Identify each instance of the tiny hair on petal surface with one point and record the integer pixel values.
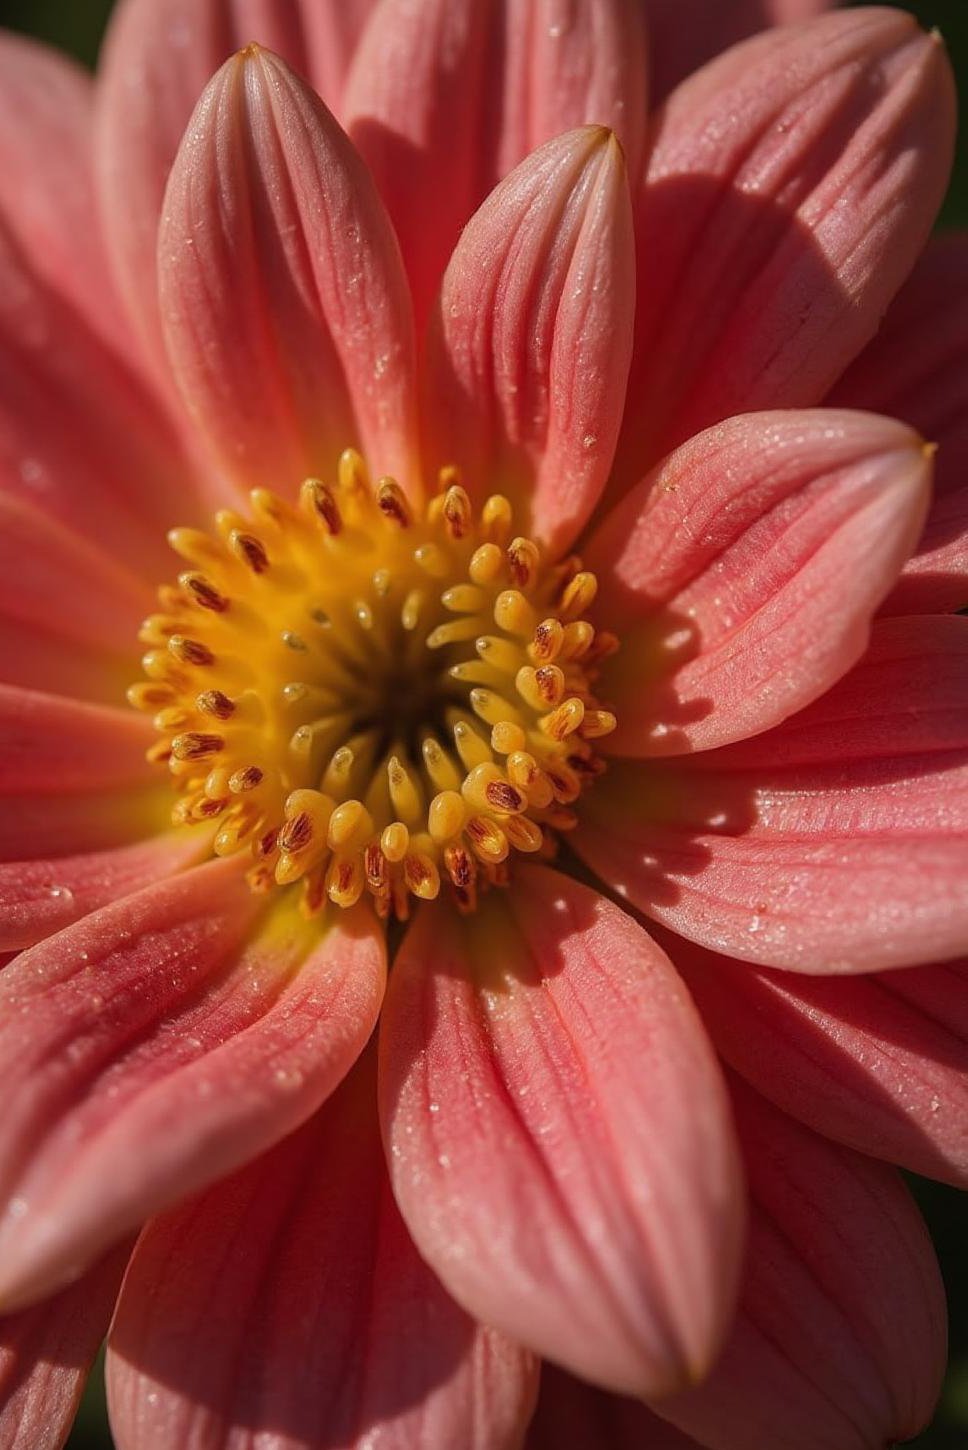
(483, 725)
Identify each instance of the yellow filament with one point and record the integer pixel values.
(372, 701)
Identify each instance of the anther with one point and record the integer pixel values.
(249, 551)
(546, 641)
(190, 651)
(245, 779)
(203, 592)
(523, 561)
(457, 512)
(296, 834)
(565, 720)
(318, 499)
(195, 745)
(215, 702)
(392, 503)
(597, 723)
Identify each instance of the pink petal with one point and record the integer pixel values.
(73, 776)
(839, 1343)
(53, 579)
(835, 843)
(46, 183)
(284, 301)
(879, 1062)
(158, 1044)
(328, 1318)
(556, 1132)
(791, 186)
(446, 97)
(38, 898)
(749, 566)
(576, 1416)
(530, 348)
(684, 34)
(916, 369)
(156, 61)
(50, 744)
(79, 436)
(936, 577)
(45, 1355)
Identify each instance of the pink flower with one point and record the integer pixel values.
(383, 681)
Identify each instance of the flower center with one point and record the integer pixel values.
(371, 701)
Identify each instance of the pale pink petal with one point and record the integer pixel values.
(557, 1136)
(47, 192)
(531, 341)
(879, 1062)
(791, 186)
(742, 575)
(38, 898)
(839, 1343)
(156, 1048)
(446, 97)
(684, 34)
(327, 1328)
(835, 843)
(157, 59)
(576, 1416)
(79, 435)
(917, 369)
(46, 1353)
(284, 302)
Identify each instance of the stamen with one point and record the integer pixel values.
(404, 700)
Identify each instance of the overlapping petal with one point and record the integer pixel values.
(557, 1136)
(684, 34)
(328, 1328)
(572, 1415)
(45, 1354)
(445, 98)
(839, 1342)
(47, 194)
(285, 307)
(531, 342)
(156, 61)
(39, 897)
(790, 188)
(916, 369)
(160, 1042)
(827, 845)
(743, 574)
(73, 776)
(80, 436)
(879, 1062)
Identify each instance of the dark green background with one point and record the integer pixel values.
(76, 25)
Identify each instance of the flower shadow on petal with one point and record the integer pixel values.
(738, 309)
(650, 655)
(300, 1260)
(644, 826)
(877, 1062)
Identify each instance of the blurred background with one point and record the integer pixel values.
(77, 26)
